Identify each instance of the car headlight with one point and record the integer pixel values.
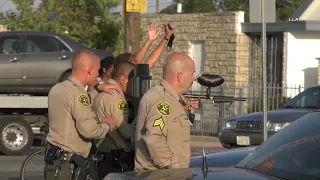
(230, 125)
(276, 126)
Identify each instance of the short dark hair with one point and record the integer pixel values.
(106, 62)
(123, 68)
(123, 57)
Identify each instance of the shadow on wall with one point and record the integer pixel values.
(310, 77)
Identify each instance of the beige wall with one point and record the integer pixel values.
(226, 49)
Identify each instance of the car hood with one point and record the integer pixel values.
(224, 158)
(287, 115)
(192, 174)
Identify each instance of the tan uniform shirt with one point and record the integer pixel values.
(72, 123)
(162, 137)
(93, 93)
(114, 106)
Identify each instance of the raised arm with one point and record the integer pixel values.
(156, 53)
(152, 35)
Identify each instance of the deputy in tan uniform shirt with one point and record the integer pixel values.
(115, 106)
(72, 123)
(162, 137)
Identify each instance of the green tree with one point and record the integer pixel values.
(191, 6)
(284, 8)
(86, 21)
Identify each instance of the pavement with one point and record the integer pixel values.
(10, 165)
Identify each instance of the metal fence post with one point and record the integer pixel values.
(241, 104)
(222, 111)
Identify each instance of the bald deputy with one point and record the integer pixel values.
(162, 137)
(117, 144)
(72, 123)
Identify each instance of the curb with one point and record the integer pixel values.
(204, 138)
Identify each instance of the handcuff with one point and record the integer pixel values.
(96, 88)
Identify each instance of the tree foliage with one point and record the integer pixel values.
(191, 6)
(74, 18)
(284, 8)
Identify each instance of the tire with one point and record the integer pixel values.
(26, 161)
(65, 76)
(16, 137)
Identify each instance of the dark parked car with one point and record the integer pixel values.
(223, 158)
(291, 153)
(247, 130)
(35, 61)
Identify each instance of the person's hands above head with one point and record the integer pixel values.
(108, 88)
(110, 122)
(168, 31)
(152, 32)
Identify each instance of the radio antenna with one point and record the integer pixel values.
(204, 157)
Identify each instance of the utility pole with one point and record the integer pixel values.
(131, 31)
(158, 6)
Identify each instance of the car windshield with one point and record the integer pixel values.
(310, 98)
(292, 153)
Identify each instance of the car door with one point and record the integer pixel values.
(46, 58)
(10, 60)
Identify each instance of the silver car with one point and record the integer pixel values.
(32, 62)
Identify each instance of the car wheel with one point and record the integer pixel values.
(16, 136)
(65, 76)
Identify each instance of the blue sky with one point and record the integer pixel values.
(7, 4)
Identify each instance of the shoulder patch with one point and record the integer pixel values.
(159, 122)
(122, 105)
(164, 108)
(84, 100)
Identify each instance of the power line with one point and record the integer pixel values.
(160, 4)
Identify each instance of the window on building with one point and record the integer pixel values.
(197, 53)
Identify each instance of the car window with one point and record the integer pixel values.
(292, 153)
(310, 98)
(36, 44)
(10, 45)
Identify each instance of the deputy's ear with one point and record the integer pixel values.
(122, 80)
(179, 76)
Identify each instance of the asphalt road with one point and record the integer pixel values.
(10, 166)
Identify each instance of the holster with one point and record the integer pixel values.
(121, 159)
(52, 153)
(85, 168)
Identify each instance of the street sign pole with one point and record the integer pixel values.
(264, 70)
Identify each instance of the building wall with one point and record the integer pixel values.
(302, 49)
(226, 48)
(215, 42)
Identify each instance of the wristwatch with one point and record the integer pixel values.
(96, 88)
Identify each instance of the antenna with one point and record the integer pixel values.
(204, 157)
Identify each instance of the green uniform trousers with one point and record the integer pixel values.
(65, 172)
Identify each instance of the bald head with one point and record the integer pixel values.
(84, 59)
(175, 63)
(122, 69)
